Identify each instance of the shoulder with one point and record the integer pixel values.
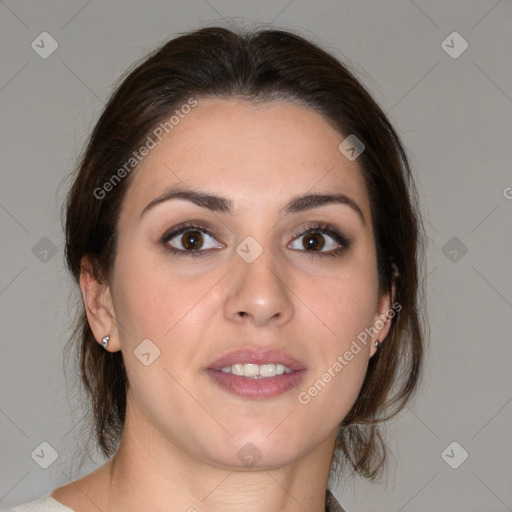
(44, 504)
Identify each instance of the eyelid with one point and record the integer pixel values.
(325, 228)
(190, 225)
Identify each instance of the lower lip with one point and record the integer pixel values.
(257, 388)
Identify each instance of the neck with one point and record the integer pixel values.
(149, 472)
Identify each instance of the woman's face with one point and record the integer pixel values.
(260, 277)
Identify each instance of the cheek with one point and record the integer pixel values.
(149, 297)
(156, 301)
(346, 302)
(346, 306)
(339, 367)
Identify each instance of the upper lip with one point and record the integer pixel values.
(256, 357)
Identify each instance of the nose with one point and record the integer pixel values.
(259, 293)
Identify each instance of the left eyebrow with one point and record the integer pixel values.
(221, 204)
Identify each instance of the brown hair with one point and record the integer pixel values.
(258, 65)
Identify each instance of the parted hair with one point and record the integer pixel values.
(257, 65)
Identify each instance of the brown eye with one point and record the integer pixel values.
(320, 240)
(313, 241)
(192, 240)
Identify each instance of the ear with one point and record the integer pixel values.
(98, 305)
(384, 314)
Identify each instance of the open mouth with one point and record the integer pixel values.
(257, 374)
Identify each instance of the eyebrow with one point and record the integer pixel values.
(221, 204)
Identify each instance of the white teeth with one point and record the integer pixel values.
(267, 370)
(237, 369)
(280, 369)
(257, 371)
(251, 370)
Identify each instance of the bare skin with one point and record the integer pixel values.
(183, 431)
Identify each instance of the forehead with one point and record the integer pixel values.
(249, 152)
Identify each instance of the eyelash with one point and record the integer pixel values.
(322, 228)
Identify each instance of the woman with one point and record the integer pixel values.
(245, 233)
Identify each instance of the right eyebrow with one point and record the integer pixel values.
(206, 200)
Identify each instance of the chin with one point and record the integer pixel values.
(258, 451)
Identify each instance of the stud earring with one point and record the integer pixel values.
(378, 344)
(104, 341)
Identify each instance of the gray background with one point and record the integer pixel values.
(454, 115)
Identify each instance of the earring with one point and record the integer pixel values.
(104, 341)
(378, 344)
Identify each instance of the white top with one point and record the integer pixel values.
(43, 504)
(49, 504)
